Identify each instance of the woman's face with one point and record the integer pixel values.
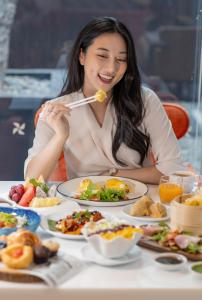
(105, 63)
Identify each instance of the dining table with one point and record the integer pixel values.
(141, 279)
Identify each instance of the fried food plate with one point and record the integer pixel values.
(145, 219)
(58, 216)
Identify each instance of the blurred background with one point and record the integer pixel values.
(36, 38)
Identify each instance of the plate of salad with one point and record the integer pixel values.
(11, 219)
(102, 190)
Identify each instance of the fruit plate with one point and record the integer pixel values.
(68, 189)
(65, 204)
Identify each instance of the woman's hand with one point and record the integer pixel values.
(55, 115)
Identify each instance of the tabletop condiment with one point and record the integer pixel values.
(169, 260)
(197, 268)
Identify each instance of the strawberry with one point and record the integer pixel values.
(27, 196)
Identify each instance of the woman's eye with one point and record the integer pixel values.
(102, 56)
(121, 59)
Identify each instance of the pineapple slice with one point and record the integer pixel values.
(40, 179)
(44, 202)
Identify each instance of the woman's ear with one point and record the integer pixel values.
(81, 57)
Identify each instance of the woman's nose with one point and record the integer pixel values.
(111, 66)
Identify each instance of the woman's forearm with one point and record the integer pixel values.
(44, 162)
(147, 175)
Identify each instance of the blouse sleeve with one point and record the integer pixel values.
(164, 144)
(43, 134)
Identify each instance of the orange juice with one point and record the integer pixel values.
(168, 191)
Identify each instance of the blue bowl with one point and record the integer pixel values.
(33, 219)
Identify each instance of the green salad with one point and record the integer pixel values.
(103, 194)
(12, 220)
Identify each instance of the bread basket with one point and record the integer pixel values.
(184, 217)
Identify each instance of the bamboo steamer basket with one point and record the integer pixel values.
(184, 217)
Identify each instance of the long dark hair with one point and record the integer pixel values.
(126, 97)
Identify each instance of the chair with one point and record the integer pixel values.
(59, 173)
(179, 118)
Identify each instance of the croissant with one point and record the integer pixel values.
(24, 237)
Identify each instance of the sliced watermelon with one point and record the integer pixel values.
(27, 196)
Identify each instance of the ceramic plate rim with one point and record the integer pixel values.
(112, 262)
(40, 210)
(67, 236)
(101, 203)
(143, 219)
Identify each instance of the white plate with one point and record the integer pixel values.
(61, 215)
(126, 212)
(89, 254)
(65, 204)
(69, 189)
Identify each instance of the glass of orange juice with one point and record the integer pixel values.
(169, 189)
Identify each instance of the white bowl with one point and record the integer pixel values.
(113, 248)
(170, 261)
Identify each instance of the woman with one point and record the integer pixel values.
(111, 138)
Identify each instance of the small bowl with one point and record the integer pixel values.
(113, 248)
(170, 261)
(33, 219)
(196, 268)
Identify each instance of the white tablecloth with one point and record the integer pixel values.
(138, 280)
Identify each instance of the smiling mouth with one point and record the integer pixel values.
(106, 79)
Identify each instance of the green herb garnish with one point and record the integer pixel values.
(163, 224)
(192, 248)
(42, 185)
(52, 225)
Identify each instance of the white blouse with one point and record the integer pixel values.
(88, 150)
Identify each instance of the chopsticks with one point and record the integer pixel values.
(81, 102)
(99, 96)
